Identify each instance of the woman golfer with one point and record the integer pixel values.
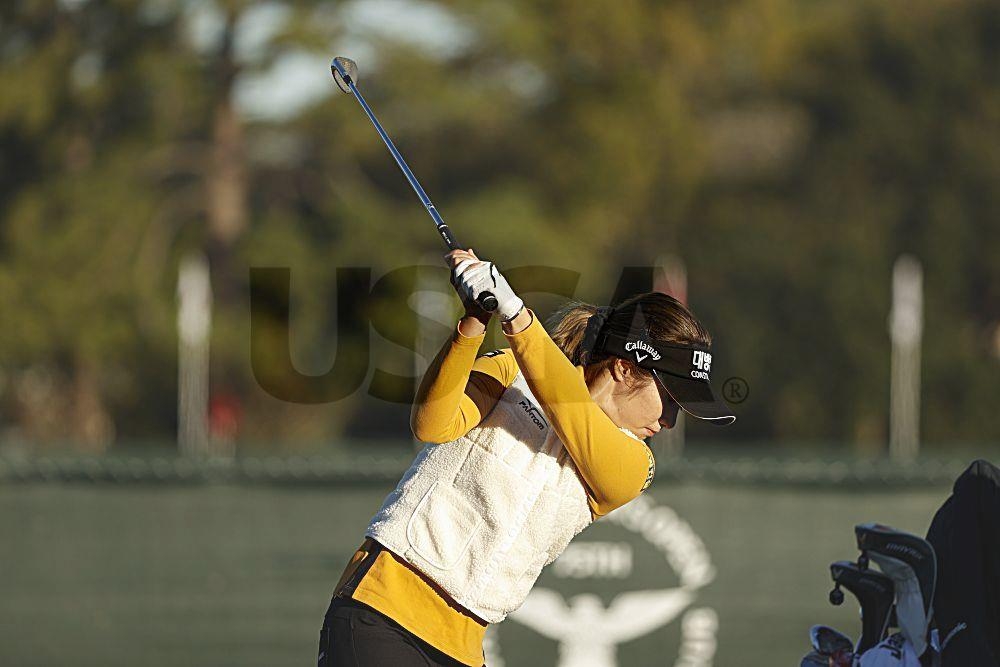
(527, 447)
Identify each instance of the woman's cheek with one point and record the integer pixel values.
(652, 407)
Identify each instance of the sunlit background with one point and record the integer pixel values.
(217, 292)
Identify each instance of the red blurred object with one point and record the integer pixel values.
(225, 412)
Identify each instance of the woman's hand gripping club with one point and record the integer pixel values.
(473, 277)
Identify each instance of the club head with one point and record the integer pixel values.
(344, 67)
(911, 563)
(875, 593)
(827, 641)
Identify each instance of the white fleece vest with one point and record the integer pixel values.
(483, 514)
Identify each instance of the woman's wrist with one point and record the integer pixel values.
(471, 326)
(519, 323)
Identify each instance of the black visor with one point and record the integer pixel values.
(684, 371)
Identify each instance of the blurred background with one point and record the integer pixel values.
(217, 293)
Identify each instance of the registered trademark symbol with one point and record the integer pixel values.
(735, 390)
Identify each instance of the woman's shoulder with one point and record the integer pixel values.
(504, 353)
(499, 364)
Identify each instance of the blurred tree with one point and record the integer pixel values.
(788, 150)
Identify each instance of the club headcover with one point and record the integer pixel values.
(911, 563)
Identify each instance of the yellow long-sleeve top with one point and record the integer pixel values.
(456, 393)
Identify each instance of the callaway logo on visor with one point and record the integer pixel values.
(639, 345)
(684, 371)
(688, 361)
(701, 361)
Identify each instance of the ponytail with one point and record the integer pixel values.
(568, 326)
(569, 332)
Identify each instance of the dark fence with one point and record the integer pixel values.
(163, 561)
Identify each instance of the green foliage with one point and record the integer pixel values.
(788, 150)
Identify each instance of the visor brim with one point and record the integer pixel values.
(697, 398)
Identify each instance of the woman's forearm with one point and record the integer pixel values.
(437, 407)
(614, 465)
(519, 323)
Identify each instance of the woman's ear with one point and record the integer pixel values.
(620, 371)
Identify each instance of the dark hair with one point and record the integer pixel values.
(665, 318)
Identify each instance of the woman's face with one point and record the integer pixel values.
(643, 410)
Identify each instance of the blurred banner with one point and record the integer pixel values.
(719, 563)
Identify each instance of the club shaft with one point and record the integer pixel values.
(486, 300)
(442, 228)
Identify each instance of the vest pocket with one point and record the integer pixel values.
(442, 526)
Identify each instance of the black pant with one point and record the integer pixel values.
(965, 534)
(355, 635)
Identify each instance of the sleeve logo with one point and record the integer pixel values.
(652, 470)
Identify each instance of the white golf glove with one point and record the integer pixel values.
(471, 278)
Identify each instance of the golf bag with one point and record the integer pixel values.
(965, 534)
(942, 593)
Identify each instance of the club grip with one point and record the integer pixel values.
(487, 302)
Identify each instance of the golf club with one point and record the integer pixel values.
(345, 73)
(875, 594)
(911, 563)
